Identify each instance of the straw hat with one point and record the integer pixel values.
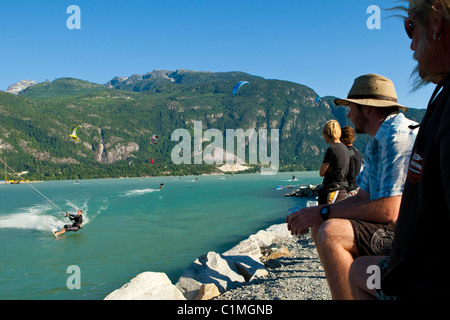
(372, 90)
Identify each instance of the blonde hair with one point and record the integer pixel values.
(332, 130)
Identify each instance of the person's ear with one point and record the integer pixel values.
(437, 20)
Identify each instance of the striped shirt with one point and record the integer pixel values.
(387, 158)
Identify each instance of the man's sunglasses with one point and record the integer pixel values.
(409, 26)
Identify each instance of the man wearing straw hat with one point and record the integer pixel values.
(417, 266)
(364, 224)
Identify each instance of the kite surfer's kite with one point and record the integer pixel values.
(154, 139)
(238, 85)
(73, 135)
(317, 101)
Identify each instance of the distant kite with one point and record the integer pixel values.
(73, 135)
(238, 85)
(317, 101)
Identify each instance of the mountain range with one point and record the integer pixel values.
(117, 120)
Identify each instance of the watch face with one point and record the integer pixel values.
(325, 212)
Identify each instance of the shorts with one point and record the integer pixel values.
(335, 196)
(373, 239)
(329, 197)
(72, 227)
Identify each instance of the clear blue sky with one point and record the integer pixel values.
(324, 44)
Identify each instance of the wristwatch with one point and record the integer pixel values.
(325, 213)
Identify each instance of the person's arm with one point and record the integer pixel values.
(310, 217)
(323, 169)
(326, 163)
(71, 216)
(382, 210)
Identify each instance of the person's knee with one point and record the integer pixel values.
(335, 232)
(360, 274)
(329, 230)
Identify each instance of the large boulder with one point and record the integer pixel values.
(207, 291)
(246, 255)
(264, 238)
(210, 268)
(147, 286)
(279, 230)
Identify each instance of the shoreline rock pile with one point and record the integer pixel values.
(308, 191)
(223, 276)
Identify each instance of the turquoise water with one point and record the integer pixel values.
(129, 228)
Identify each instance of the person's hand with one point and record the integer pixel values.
(299, 221)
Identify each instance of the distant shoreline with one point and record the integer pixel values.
(162, 177)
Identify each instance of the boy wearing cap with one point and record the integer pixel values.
(364, 224)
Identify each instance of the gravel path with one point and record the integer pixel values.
(297, 276)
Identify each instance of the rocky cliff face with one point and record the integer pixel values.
(107, 152)
(117, 153)
(15, 88)
(114, 150)
(177, 76)
(156, 74)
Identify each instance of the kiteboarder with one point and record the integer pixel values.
(161, 186)
(77, 220)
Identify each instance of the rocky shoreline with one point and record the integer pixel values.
(298, 275)
(269, 265)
